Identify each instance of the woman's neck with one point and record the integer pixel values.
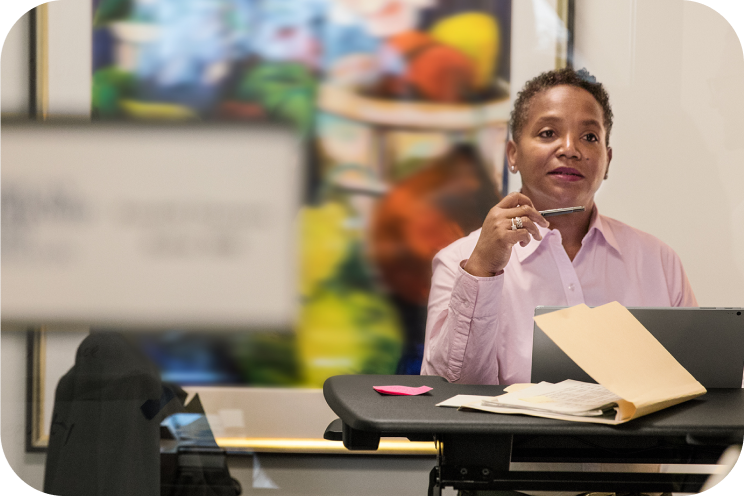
(573, 228)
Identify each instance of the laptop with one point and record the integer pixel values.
(708, 342)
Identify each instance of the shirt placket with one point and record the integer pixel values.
(569, 279)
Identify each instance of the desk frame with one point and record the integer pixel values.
(475, 449)
(483, 462)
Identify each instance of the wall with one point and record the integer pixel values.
(15, 69)
(70, 63)
(676, 171)
(673, 70)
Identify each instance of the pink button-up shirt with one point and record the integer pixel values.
(479, 329)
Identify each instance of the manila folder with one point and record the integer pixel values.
(619, 353)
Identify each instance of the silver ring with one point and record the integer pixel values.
(518, 221)
(514, 226)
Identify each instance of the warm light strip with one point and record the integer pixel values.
(39, 439)
(319, 446)
(675, 468)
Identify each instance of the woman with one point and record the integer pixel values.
(485, 286)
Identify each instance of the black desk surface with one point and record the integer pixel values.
(720, 412)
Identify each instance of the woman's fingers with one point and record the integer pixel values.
(526, 212)
(528, 227)
(517, 205)
(531, 228)
(513, 220)
(520, 236)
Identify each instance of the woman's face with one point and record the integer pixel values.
(561, 152)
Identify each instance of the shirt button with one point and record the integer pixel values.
(571, 287)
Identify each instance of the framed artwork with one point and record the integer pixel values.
(395, 100)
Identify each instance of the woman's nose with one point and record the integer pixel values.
(568, 147)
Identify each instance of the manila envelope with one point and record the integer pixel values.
(619, 353)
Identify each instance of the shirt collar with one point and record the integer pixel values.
(595, 224)
(604, 229)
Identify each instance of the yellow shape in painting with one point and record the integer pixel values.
(158, 111)
(477, 36)
(324, 243)
(349, 332)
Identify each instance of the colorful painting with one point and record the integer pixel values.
(404, 105)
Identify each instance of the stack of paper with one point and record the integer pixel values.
(636, 374)
(573, 398)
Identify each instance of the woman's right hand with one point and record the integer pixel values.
(494, 247)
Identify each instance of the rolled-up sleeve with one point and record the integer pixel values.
(462, 323)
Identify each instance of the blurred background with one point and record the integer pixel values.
(401, 109)
(393, 113)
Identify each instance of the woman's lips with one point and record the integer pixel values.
(566, 174)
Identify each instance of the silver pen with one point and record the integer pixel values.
(561, 211)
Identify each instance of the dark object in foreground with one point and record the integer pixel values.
(105, 438)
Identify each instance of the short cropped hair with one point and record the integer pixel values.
(581, 79)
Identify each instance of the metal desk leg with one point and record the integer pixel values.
(472, 462)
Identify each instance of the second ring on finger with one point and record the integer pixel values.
(518, 222)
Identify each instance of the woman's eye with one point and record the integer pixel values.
(592, 137)
(546, 134)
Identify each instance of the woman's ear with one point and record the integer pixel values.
(511, 156)
(609, 159)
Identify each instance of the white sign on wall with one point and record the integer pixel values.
(149, 225)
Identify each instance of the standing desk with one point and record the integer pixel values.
(475, 449)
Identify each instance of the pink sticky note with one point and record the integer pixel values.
(402, 390)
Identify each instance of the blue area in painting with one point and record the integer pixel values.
(340, 40)
(103, 47)
(187, 358)
(410, 363)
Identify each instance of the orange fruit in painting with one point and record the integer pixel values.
(438, 72)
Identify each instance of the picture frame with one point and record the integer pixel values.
(39, 381)
(566, 10)
(36, 439)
